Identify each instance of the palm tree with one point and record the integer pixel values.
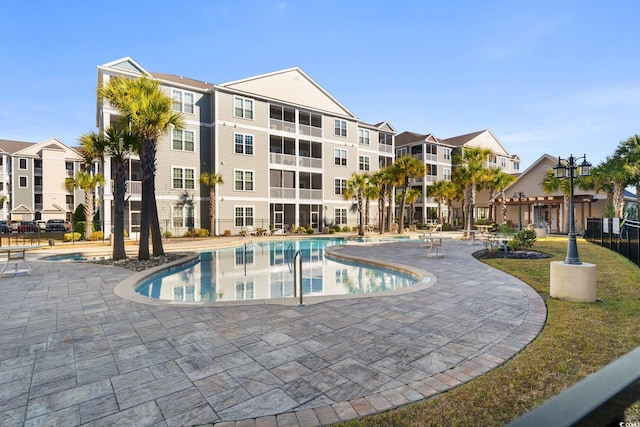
(378, 181)
(405, 169)
(441, 191)
(412, 197)
(86, 182)
(211, 180)
(551, 184)
(471, 175)
(149, 113)
(497, 183)
(630, 150)
(355, 190)
(117, 143)
(617, 173)
(371, 191)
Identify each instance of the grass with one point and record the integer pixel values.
(577, 340)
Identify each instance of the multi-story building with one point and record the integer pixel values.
(283, 145)
(438, 156)
(32, 180)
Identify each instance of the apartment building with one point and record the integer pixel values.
(284, 146)
(32, 180)
(438, 156)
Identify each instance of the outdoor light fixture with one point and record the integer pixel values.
(519, 195)
(567, 168)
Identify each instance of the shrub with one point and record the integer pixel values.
(332, 231)
(167, 234)
(310, 229)
(201, 232)
(336, 228)
(68, 237)
(523, 240)
(97, 235)
(346, 228)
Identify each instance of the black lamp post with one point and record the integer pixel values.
(566, 168)
(519, 195)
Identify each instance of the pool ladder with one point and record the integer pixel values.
(295, 265)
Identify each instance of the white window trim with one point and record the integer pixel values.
(244, 215)
(335, 216)
(364, 137)
(182, 140)
(26, 182)
(181, 102)
(183, 218)
(341, 151)
(364, 161)
(184, 178)
(340, 122)
(26, 164)
(244, 143)
(244, 109)
(244, 180)
(343, 188)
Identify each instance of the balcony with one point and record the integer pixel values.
(310, 162)
(309, 194)
(282, 159)
(383, 148)
(310, 130)
(276, 124)
(133, 187)
(282, 193)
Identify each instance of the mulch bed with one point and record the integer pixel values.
(485, 254)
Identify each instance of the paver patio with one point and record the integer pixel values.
(74, 353)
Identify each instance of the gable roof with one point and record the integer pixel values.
(49, 144)
(11, 147)
(179, 80)
(126, 65)
(407, 137)
(484, 138)
(291, 86)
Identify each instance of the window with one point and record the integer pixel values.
(22, 163)
(339, 185)
(340, 127)
(183, 102)
(516, 166)
(385, 138)
(183, 178)
(363, 163)
(244, 216)
(22, 182)
(492, 159)
(446, 153)
(243, 107)
(340, 215)
(503, 162)
(431, 170)
(384, 161)
(183, 216)
(340, 157)
(363, 136)
(243, 180)
(244, 256)
(244, 291)
(446, 174)
(401, 152)
(243, 144)
(183, 140)
(431, 149)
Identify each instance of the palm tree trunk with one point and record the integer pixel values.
(147, 167)
(119, 190)
(212, 209)
(156, 235)
(88, 214)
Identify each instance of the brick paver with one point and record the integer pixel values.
(72, 352)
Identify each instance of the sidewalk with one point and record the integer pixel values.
(74, 353)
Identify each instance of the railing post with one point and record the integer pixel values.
(297, 276)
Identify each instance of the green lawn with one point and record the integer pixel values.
(578, 339)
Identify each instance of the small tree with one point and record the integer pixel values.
(211, 180)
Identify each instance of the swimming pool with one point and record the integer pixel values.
(264, 270)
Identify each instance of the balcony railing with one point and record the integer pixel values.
(282, 193)
(310, 130)
(276, 124)
(133, 187)
(309, 194)
(282, 159)
(311, 162)
(384, 148)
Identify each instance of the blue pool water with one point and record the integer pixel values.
(264, 270)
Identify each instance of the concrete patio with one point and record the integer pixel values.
(74, 353)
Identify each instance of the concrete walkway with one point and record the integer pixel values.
(74, 353)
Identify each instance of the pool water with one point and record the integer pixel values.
(264, 270)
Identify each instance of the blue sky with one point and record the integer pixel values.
(556, 77)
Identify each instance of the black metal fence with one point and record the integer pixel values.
(622, 236)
